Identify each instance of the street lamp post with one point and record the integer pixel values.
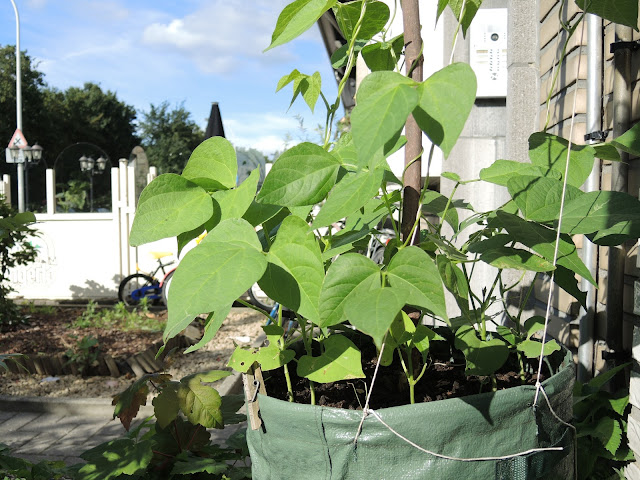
(25, 158)
(92, 167)
(20, 166)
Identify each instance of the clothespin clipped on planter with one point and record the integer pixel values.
(253, 383)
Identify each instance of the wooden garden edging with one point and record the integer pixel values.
(138, 364)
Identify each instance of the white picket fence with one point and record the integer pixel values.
(85, 255)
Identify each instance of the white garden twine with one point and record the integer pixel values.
(366, 411)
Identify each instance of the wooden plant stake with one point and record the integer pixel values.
(253, 383)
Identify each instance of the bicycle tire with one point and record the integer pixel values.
(132, 283)
(259, 298)
(166, 283)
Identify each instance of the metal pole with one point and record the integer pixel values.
(20, 166)
(91, 191)
(589, 250)
(619, 176)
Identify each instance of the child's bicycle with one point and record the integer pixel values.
(140, 285)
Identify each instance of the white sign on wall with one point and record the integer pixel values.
(488, 38)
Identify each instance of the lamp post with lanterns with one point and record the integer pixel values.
(25, 158)
(92, 167)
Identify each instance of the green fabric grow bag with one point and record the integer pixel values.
(311, 442)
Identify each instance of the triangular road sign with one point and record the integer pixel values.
(18, 139)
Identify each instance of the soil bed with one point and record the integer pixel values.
(444, 378)
(51, 332)
(242, 326)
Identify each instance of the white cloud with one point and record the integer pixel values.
(268, 133)
(221, 35)
(36, 3)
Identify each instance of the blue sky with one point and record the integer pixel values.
(191, 51)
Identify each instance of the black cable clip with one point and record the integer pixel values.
(635, 45)
(597, 136)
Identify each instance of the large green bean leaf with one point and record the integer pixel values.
(539, 198)
(213, 165)
(168, 206)
(234, 203)
(307, 85)
(542, 241)
(340, 360)
(566, 280)
(385, 100)
(516, 258)
(465, 8)
(629, 141)
(351, 193)
(269, 357)
(413, 269)
(624, 12)
(616, 213)
(372, 312)
(501, 171)
(446, 99)
(214, 274)
(297, 18)
(349, 276)
(436, 203)
(383, 55)
(347, 15)
(549, 152)
(303, 175)
(483, 357)
(295, 271)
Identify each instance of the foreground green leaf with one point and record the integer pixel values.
(348, 277)
(303, 175)
(200, 403)
(213, 165)
(113, 459)
(269, 357)
(202, 284)
(373, 312)
(413, 269)
(501, 171)
(542, 240)
(446, 99)
(169, 206)
(340, 360)
(297, 18)
(624, 12)
(385, 100)
(539, 198)
(347, 15)
(350, 194)
(295, 270)
(549, 152)
(616, 212)
(483, 357)
(464, 11)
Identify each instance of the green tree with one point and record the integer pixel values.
(169, 136)
(32, 94)
(88, 115)
(57, 119)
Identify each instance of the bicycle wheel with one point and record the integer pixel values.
(132, 289)
(259, 298)
(166, 283)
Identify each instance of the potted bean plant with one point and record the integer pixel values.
(368, 375)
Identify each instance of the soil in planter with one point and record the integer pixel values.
(444, 378)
